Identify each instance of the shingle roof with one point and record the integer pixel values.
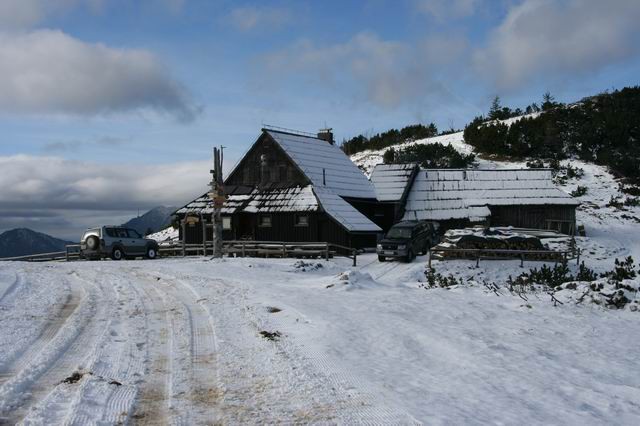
(390, 180)
(459, 194)
(312, 155)
(344, 213)
(294, 199)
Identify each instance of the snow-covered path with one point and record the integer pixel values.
(151, 343)
(178, 341)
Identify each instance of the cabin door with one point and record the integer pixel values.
(246, 230)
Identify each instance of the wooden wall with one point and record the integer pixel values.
(321, 228)
(280, 171)
(558, 217)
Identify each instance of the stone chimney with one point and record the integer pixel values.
(326, 135)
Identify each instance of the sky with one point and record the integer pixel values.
(110, 107)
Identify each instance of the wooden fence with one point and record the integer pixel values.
(71, 252)
(243, 248)
(505, 254)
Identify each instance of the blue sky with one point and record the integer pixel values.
(110, 106)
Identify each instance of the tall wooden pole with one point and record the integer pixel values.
(217, 195)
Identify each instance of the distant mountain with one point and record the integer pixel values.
(24, 242)
(154, 220)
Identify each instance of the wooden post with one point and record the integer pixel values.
(184, 237)
(326, 251)
(355, 253)
(429, 263)
(284, 250)
(478, 259)
(522, 260)
(66, 249)
(578, 257)
(204, 235)
(218, 197)
(243, 249)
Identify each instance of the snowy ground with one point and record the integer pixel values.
(178, 341)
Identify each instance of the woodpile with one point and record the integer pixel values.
(471, 243)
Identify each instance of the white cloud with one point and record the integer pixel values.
(557, 37)
(20, 14)
(250, 17)
(443, 9)
(63, 197)
(48, 71)
(384, 72)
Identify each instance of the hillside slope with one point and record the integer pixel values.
(154, 220)
(24, 242)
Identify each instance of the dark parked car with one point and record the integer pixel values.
(407, 238)
(116, 242)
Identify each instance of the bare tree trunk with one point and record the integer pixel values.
(217, 194)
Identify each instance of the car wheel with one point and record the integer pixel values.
(382, 258)
(409, 257)
(93, 243)
(151, 253)
(117, 254)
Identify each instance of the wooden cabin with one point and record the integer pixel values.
(293, 187)
(523, 198)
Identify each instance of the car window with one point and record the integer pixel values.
(110, 232)
(133, 233)
(121, 233)
(399, 233)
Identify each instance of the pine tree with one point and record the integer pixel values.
(494, 111)
(548, 101)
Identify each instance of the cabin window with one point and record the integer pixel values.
(226, 222)
(264, 221)
(302, 220)
(283, 173)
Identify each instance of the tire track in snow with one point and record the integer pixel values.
(11, 288)
(151, 406)
(20, 360)
(194, 387)
(116, 362)
(56, 359)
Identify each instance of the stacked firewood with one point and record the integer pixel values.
(465, 244)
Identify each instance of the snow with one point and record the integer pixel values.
(391, 180)
(364, 344)
(325, 164)
(167, 235)
(457, 194)
(344, 213)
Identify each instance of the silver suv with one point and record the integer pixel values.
(116, 242)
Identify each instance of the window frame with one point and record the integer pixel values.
(261, 224)
(296, 221)
(227, 219)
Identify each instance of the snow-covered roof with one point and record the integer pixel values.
(460, 194)
(294, 199)
(313, 155)
(344, 213)
(390, 180)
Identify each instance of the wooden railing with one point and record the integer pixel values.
(72, 252)
(247, 248)
(505, 254)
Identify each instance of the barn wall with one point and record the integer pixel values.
(538, 217)
(280, 170)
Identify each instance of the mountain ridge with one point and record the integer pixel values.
(24, 242)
